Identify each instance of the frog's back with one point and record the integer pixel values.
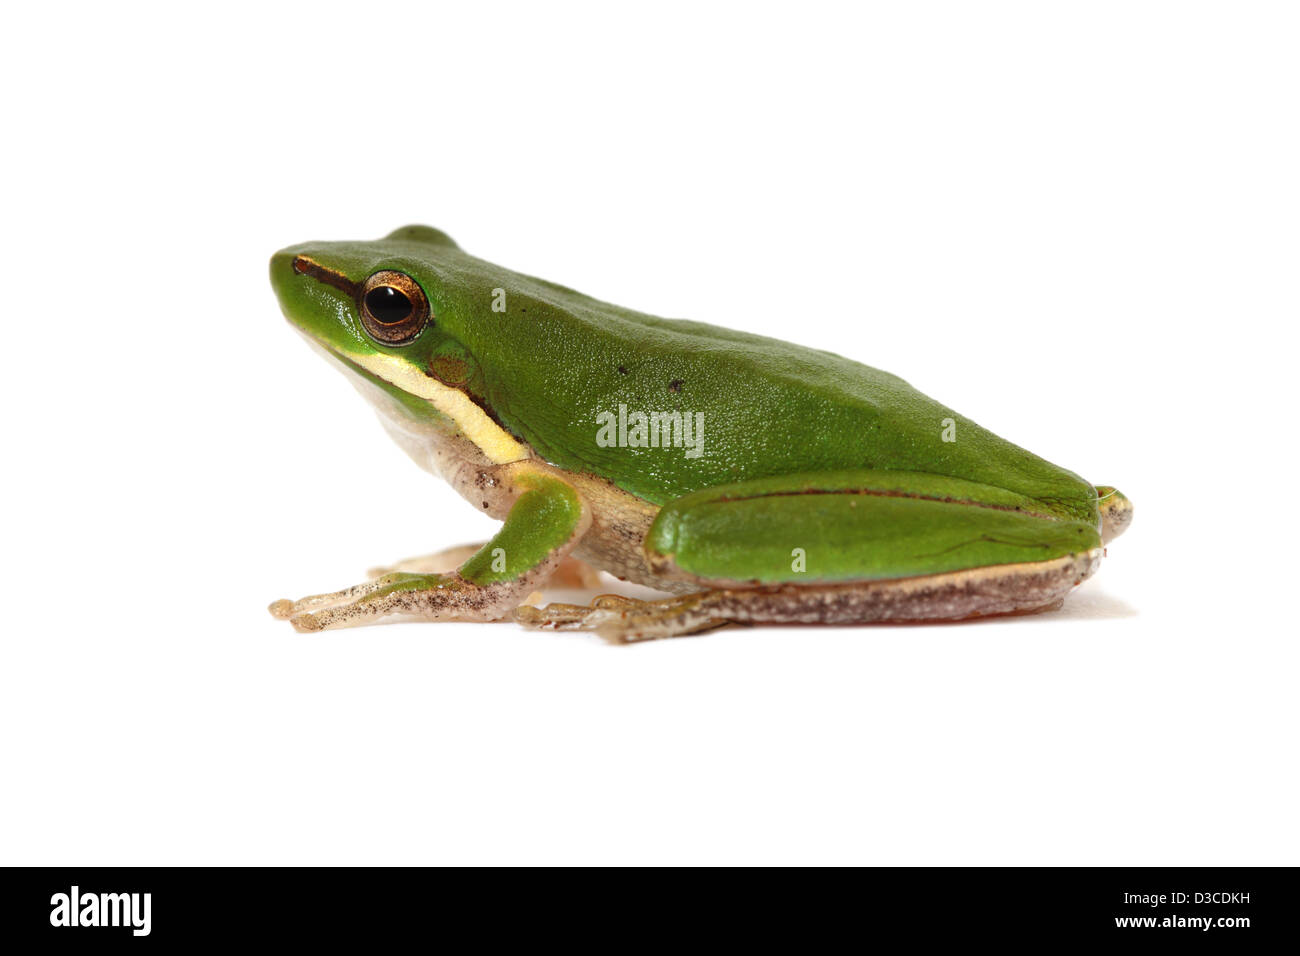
(559, 363)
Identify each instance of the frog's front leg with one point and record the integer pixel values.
(548, 517)
(571, 572)
(440, 562)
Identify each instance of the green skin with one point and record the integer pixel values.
(801, 448)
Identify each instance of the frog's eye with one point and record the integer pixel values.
(393, 307)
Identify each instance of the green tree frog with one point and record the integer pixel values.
(752, 480)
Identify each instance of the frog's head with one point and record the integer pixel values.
(386, 312)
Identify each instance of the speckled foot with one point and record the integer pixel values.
(623, 620)
(430, 596)
(285, 609)
(953, 596)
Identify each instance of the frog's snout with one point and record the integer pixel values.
(1116, 513)
(283, 274)
(282, 269)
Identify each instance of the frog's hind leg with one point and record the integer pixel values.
(852, 547)
(952, 596)
(622, 620)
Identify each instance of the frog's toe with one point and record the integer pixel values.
(1116, 512)
(331, 618)
(285, 609)
(306, 624)
(366, 603)
(281, 610)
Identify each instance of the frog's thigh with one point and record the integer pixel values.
(849, 548)
(854, 526)
(546, 520)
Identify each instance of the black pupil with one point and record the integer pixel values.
(388, 305)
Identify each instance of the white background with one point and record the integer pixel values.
(1076, 224)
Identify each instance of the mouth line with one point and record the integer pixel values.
(307, 267)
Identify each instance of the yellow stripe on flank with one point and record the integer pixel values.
(489, 437)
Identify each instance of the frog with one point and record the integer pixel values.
(748, 480)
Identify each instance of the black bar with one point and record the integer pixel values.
(1224, 907)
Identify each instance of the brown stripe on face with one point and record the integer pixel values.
(304, 266)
